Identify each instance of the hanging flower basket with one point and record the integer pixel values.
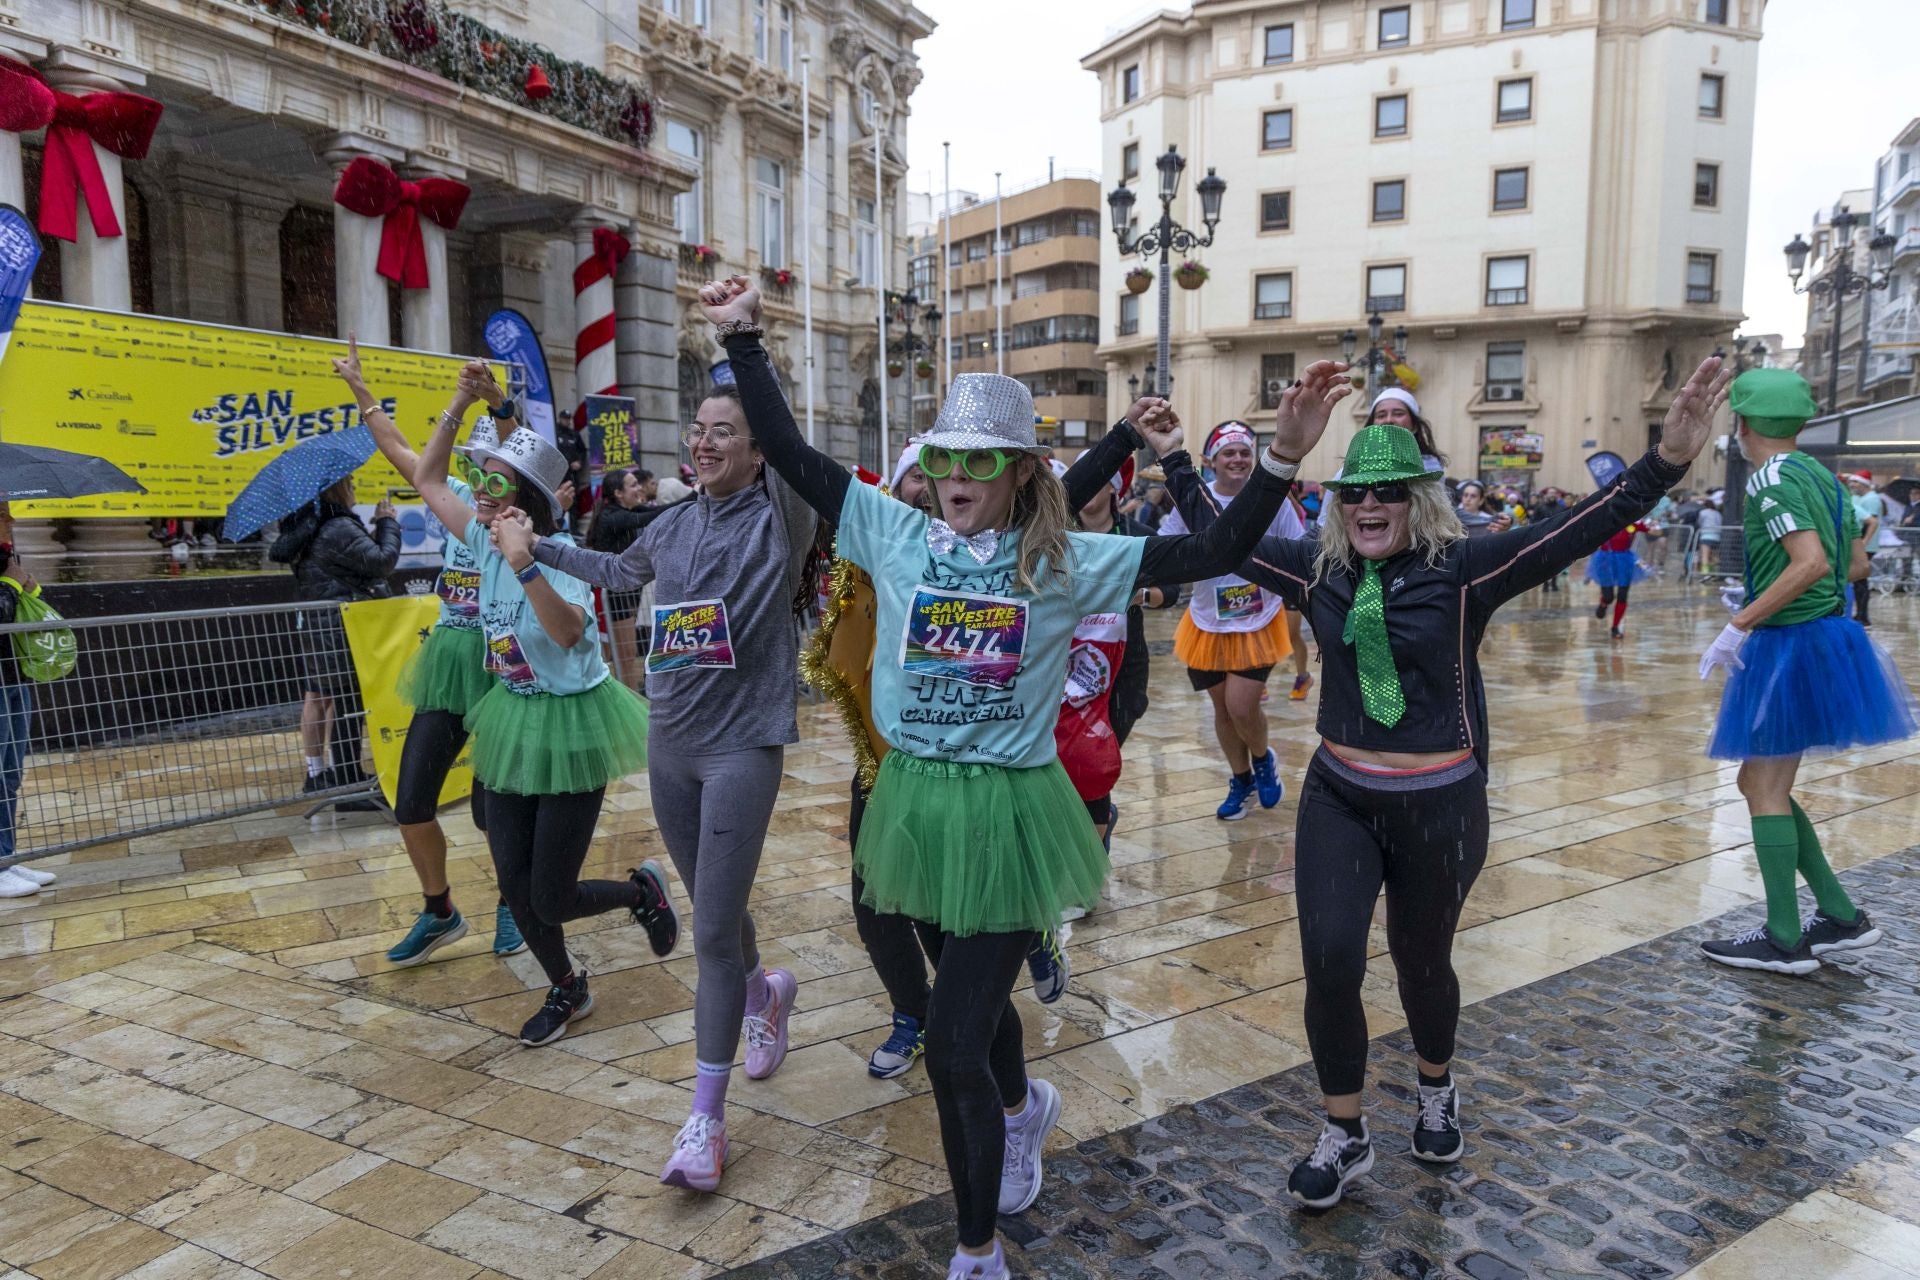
(698, 255)
(1139, 280)
(895, 368)
(1190, 275)
(923, 369)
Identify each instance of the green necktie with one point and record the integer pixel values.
(1366, 631)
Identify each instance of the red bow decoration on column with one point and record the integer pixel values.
(373, 190)
(123, 123)
(610, 248)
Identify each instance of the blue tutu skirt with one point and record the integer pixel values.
(1819, 686)
(1615, 569)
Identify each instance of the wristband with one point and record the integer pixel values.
(507, 409)
(1277, 469)
(448, 419)
(736, 329)
(527, 574)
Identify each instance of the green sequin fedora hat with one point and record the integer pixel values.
(1383, 452)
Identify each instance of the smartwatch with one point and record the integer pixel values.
(507, 409)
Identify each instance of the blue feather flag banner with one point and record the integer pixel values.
(1605, 468)
(19, 255)
(511, 340)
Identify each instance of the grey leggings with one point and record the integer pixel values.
(713, 812)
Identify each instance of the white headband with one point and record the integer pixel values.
(1401, 394)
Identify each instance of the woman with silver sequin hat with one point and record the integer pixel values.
(553, 729)
(973, 825)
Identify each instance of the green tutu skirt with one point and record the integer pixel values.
(540, 744)
(448, 672)
(977, 848)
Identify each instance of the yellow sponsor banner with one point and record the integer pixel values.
(383, 634)
(193, 411)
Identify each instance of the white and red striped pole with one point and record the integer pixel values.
(595, 369)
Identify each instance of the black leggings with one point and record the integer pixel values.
(434, 739)
(1862, 597)
(894, 943)
(1426, 844)
(1609, 594)
(975, 1063)
(539, 844)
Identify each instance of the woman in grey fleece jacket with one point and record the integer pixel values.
(725, 568)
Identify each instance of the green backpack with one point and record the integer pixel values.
(44, 655)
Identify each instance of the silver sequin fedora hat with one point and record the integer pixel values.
(483, 441)
(985, 411)
(539, 463)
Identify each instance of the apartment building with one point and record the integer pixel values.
(1549, 196)
(1894, 328)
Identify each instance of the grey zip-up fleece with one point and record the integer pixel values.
(747, 551)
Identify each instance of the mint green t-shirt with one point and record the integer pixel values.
(519, 651)
(966, 667)
(1791, 493)
(458, 585)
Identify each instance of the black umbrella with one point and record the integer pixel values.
(1902, 489)
(29, 472)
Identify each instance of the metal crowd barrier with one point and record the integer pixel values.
(1893, 568)
(168, 720)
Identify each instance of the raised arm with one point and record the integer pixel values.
(392, 445)
(1500, 567)
(733, 305)
(430, 468)
(1281, 565)
(1097, 466)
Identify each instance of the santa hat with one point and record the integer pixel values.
(1863, 477)
(1229, 433)
(909, 457)
(1123, 478)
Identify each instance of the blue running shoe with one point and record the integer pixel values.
(1266, 779)
(902, 1049)
(1234, 807)
(506, 933)
(429, 933)
(1047, 962)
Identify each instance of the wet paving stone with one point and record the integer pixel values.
(1624, 1120)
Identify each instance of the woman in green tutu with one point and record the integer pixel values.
(553, 730)
(973, 825)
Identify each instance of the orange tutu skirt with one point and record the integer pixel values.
(1231, 650)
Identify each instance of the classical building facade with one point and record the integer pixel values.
(677, 124)
(1550, 196)
(1841, 385)
(1894, 329)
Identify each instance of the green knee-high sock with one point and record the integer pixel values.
(1777, 846)
(1819, 876)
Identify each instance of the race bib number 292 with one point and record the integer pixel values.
(955, 635)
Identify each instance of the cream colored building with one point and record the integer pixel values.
(1549, 195)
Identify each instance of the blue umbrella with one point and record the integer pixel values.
(297, 477)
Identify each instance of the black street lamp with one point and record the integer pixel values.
(1163, 238)
(1839, 283)
(903, 307)
(1377, 374)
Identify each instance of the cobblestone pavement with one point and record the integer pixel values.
(1625, 1118)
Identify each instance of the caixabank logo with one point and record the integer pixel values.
(99, 395)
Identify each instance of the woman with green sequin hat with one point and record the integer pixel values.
(1395, 797)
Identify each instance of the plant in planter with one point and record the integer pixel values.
(698, 255)
(923, 369)
(895, 368)
(1139, 280)
(1190, 274)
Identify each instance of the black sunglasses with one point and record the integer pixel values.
(1387, 491)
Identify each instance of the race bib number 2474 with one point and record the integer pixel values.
(956, 635)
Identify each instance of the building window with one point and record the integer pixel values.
(1506, 370)
(1130, 83)
(783, 40)
(1506, 281)
(1509, 189)
(1276, 374)
(694, 11)
(1717, 12)
(1276, 211)
(1396, 26)
(1712, 95)
(689, 207)
(1273, 296)
(869, 104)
(770, 210)
(1706, 186)
(1515, 101)
(1030, 284)
(977, 249)
(1129, 315)
(1276, 130)
(1279, 44)
(1390, 200)
(1129, 162)
(866, 244)
(1390, 116)
(1516, 15)
(1701, 270)
(1053, 329)
(1033, 232)
(925, 276)
(1387, 288)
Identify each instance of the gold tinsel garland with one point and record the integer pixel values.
(817, 669)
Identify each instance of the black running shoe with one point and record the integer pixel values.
(1823, 933)
(1436, 1134)
(656, 912)
(564, 1004)
(1756, 949)
(1319, 1181)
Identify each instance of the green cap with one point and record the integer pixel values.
(1773, 402)
(1383, 452)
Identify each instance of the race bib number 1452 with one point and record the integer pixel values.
(954, 635)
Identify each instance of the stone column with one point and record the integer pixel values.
(426, 318)
(360, 291)
(94, 272)
(258, 216)
(646, 308)
(13, 178)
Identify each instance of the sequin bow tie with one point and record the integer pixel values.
(943, 537)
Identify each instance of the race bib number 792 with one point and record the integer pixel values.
(955, 635)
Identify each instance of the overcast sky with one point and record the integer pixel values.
(1004, 86)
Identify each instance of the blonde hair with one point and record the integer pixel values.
(1432, 524)
(1040, 514)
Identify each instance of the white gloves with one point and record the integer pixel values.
(1724, 651)
(1735, 598)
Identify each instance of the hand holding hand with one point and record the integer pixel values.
(1301, 418)
(513, 536)
(1689, 422)
(734, 298)
(1161, 426)
(565, 493)
(476, 380)
(1724, 651)
(348, 366)
(1139, 408)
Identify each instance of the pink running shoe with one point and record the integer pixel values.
(766, 1034)
(699, 1154)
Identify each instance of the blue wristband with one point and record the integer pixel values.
(528, 574)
